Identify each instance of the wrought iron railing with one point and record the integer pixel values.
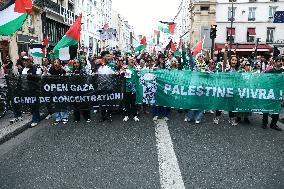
(47, 4)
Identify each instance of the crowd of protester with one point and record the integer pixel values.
(128, 65)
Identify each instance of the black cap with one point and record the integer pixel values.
(103, 53)
(161, 56)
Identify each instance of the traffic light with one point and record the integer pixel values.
(213, 32)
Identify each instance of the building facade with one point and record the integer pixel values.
(251, 20)
(182, 19)
(203, 15)
(92, 19)
(29, 33)
(57, 17)
(106, 9)
(125, 33)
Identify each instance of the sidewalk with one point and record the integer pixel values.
(8, 131)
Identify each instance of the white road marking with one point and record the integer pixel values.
(170, 175)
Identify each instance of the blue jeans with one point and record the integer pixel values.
(61, 115)
(160, 111)
(35, 116)
(196, 115)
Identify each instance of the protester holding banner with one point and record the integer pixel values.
(160, 111)
(197, 115)
(244, 115)
(15, 106)
(257, 67)
(174, 64)
(104, 66)
(30, 70)
(232, 67)
(78, 70)
(57, 70)
(130, 91)
(277, 69)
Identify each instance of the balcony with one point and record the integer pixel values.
(47, 4)
(50, 6)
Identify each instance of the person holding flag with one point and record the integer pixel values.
(13, 15)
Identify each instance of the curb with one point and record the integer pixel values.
(19, 130)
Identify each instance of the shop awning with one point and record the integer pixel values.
(244, 47)
(251, 31)
(229, 31)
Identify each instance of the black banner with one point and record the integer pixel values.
(64, 92)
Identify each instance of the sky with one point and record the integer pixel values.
(144, 15)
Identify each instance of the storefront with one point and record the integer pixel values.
(247, 50)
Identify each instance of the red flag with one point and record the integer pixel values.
(46, 41)
(46, 44)
(106, 26)
(198, 47)
(154, 50)
(173, 47)
(75, 29)
(172, 27)
(23, 6)
(143, 41)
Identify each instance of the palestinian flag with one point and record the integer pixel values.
(13, 15)
(142, 45)
(178, 50)
(37, 50)
(46, 45)
(168, 28)
(199, 47)
(65, 48)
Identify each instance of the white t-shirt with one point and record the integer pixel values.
(105, 69)
(25, 71)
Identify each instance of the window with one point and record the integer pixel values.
(272, 11)
(231, 13)
(270, 35)
(232, 0)
(251, 16)
(203, 8)
(30, 21)
(229, 34)
(251, 35)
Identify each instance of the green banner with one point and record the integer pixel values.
(241, 92)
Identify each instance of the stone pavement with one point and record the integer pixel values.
(8, 130)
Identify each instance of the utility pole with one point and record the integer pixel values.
(213, 32)
(255, 51)
(231, 29)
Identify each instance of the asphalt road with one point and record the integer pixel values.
(129, 155)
